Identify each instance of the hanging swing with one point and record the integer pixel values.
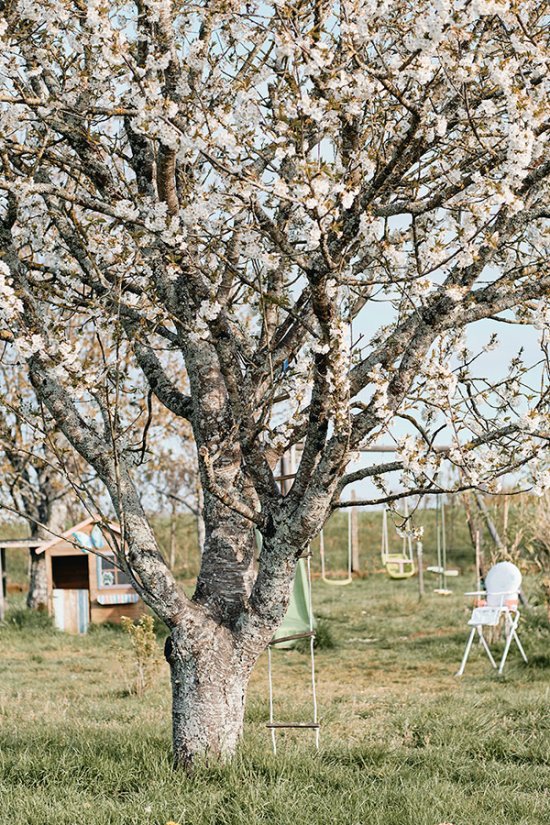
(398, 565)
(441, 538)
(349, 576)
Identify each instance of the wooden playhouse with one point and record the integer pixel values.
(84, 584)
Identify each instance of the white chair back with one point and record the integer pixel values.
(503, 583)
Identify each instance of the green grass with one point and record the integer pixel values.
(403, 742)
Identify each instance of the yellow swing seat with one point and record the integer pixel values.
(398, 566)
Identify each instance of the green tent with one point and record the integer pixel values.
(297, 619)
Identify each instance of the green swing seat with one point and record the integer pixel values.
(399, 567)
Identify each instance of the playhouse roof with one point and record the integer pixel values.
(90, 521)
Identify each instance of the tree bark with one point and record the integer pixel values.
(209, 674)
(37, 596)
(213, 651)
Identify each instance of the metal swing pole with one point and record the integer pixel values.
(443, 546)
(438, 534)
(408, 538)
(384, 536)
(420, 560)
(350, 544)
(2, 578)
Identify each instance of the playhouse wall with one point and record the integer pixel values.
(114, 612)
(98, 613)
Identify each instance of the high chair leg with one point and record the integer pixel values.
(509, 634)
(460, 671)
(483, 641)
(520, 646)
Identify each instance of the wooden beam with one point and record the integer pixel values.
(308, 635)
(25, 544)
(277, 725)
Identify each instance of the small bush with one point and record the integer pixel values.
(22, 618)
(144, 645)
(104, 628)
(324, 639)
(536, 621)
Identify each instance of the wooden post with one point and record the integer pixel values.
(420, 559)
(505, 519)
(3, 584)
(355, 563)
(479, 572)
(173, 536)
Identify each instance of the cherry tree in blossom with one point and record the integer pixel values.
(289, 215)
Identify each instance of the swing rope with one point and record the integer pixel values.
(441, 539)
(398, 566)
(312, 655)
(349, 576)
(314, 724)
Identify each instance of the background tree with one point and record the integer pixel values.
(306, 205)
(33, 487)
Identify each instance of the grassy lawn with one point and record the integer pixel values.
(403, 742)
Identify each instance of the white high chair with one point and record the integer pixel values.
(500, 599)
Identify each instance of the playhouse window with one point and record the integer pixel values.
(109, 575)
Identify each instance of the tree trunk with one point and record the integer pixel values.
(51, 519)
(209, 675)
(37, 596)
(212, 652)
